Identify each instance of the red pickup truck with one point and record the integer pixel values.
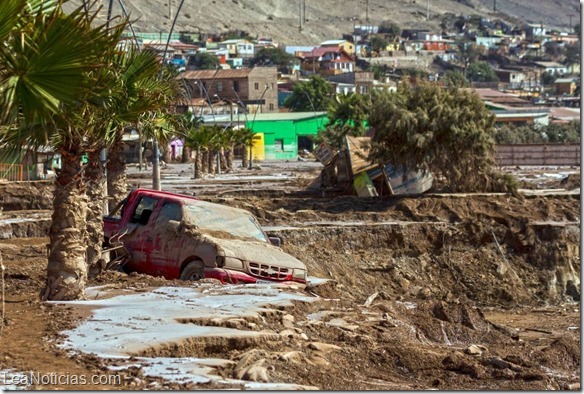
(177, 236)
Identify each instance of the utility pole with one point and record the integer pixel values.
(367, 11)
(427, 10)
(494, 5)
(155, 150)
(571, 15)
(300, 16)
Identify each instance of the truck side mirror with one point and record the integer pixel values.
(275, 241)
(174, 225)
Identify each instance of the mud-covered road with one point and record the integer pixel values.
(438, 291)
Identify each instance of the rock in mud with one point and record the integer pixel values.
(473, 350)
(256, 372)
(288, 333)
(456, 361)
(295, 357)
(323, 347)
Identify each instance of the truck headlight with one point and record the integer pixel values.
(299, 274)
(220, 261)
(233, 263)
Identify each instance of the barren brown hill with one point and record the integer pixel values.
(328, 19)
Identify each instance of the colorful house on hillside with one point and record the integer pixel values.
(328, 61)
(345, 45)
(281, 135)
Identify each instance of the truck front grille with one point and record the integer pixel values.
(269, 271)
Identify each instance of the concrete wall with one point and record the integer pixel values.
(538, 155)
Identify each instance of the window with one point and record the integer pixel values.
(271, 106)
(219, 86)
(236, 86)
(256, 86)
(279, 145)
(169, 211)
(143, 210)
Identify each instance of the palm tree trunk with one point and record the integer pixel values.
(211, 161)
(205, 162)
(67, 266)
(166, 155)
(186, 155)
(244, 162)
(223, 159)
(97, 196)
(117, 187)
(229, 157)
(198, 164)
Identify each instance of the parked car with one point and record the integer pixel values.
(182, 237)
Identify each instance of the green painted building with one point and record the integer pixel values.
(284, 134)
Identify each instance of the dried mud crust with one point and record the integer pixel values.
(403, 307)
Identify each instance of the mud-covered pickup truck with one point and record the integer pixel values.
(181, 237)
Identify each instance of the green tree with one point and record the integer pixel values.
(389, 27)
(312, 95)
(203, 61)
(572, 55)
(455, 79)
(481, 72)
(378, 70)
(413, 73)
(548, 78)
(577, 28)
(378, 44)
(272, 57)
(535, 133)
(468, 53)
(448, 132)
(347, 115)
(51, 77)
(198, 138)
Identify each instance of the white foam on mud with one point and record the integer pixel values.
(126, 325)
(129, 324)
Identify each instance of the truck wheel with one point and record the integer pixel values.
(194, 270)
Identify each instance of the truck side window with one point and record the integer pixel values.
(169, 211)
(143, 210)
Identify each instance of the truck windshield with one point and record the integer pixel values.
(216, 217)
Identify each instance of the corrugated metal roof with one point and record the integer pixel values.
(215, 74)
(285, 116)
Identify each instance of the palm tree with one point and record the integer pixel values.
(346, 116)
(49, 80)
(199, 139)
(245, 137)
(231, 137)
(142, 91)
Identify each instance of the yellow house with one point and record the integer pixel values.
(345, 45)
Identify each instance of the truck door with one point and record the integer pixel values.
(137, 239)
(166, 240)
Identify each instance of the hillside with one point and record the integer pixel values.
(326, 19)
